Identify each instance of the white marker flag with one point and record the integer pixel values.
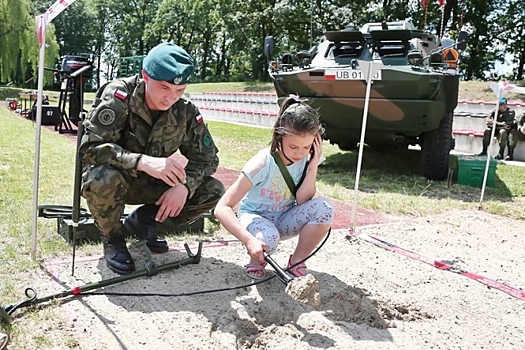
(505, 86)
(40, 28)
(57, 8)
(51, 13)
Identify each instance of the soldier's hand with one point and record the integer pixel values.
(170, 170)
(490, 121)
(171, 202)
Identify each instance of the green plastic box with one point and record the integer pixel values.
(471, 170)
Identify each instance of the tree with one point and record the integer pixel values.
(481, 50)
(513, 34)
(226, 37)
(16, 49)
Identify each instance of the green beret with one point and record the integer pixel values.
(168, 62)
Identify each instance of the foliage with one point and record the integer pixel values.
(226, 37)
(512, 34)
(18, 46)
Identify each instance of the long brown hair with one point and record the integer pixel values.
(296, 117)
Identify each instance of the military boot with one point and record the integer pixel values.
(117, 255)
(501, 153)
(510, 156)
(141, 223)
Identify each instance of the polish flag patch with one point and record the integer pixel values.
(121, 95)
(199, 119)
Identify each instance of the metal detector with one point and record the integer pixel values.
(150, 269)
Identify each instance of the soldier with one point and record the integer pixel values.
(521, 128)
(132, 132)
(505, 130)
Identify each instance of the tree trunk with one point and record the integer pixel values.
(521, 65)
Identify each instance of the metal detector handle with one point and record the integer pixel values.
(75, 215)
(283, 276)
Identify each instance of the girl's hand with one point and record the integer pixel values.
(317, 151)
(256, 248)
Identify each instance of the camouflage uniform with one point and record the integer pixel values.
(506, 136)
(118, 130)
(521, 128)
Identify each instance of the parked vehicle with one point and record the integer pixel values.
(412, 96)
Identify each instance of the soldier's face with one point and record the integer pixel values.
(503, 107)
(161, 95)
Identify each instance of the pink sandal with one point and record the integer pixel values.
(251, 268)
(299, 270)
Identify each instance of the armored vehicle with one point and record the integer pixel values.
(412, 96)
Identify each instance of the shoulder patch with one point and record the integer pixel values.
(207, 140)
(121, 95)
(106, 116)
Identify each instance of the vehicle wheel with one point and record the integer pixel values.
(347, 146)
(435, 150)
(388, 148)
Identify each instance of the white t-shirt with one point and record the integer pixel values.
(269, 193)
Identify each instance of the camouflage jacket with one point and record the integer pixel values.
(504, 118)
(119, 129)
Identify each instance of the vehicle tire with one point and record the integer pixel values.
(347, 146)
(435, 150)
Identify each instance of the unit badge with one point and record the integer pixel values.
(106, 116)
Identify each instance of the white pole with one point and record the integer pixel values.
(43, 21)
(489, 152)
(361, 144)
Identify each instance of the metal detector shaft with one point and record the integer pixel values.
(78, 167)
(8, 310)
(76, 193)
(283, 276)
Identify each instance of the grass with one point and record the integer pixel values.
(478, 90)
(389, 183)
(469, 90)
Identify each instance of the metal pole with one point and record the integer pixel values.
(489, 151)
(43, 19)
(361, 143)
(311, 23)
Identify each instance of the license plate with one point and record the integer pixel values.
(348, 74)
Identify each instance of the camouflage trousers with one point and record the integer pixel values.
(505, 138)
(107, 190)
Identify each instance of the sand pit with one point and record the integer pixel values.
(370, 298)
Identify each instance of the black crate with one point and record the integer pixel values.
(88, 231)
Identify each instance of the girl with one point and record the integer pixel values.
(268, 209)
